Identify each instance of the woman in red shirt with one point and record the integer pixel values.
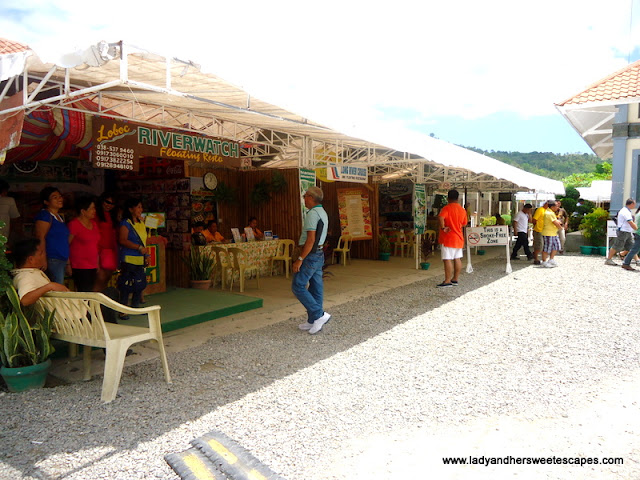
(83, 245)
(108, 245)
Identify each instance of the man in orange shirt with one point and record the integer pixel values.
(452, 219)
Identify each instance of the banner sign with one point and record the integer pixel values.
(355, 213)
(345, 173)
(496, 235)
(118, 145)
(307, 180)
(612, 229)
(419, 209)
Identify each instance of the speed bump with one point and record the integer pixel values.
(232, 459)
(192, 464)
(215, 456)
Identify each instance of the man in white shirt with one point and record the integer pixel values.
(8, 209)
(521, 228)
(626, 227)
(29, 280)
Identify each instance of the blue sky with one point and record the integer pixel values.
(483, 74)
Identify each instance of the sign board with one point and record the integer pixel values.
(612, 231)
(346, 173)
(118, 145)
(355, 213)
(495, 235)
(307, 180)
(419, 209)
(488, 236)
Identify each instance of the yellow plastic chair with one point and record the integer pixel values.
(402, 243)
(434, 238)
(223, 266)
(432, 234)
(343, 248)
(284, 250)
(411, 244)
(240, 264)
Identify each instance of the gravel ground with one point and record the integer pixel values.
(542, 362)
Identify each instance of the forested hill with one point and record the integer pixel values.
(547, 164)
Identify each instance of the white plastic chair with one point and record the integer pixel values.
(78, 319)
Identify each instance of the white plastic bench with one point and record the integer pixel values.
(79, 320)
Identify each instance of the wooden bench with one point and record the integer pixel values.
(78, 319)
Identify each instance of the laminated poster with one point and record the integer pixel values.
(355, 213)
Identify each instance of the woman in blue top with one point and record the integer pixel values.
(53, 233)
(132, 237)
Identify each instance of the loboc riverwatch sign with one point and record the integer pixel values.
(119, 145)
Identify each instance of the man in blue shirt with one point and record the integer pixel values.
(307, 269)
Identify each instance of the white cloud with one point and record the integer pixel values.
(465, 58)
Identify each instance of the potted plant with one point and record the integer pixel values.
(426, 250)
(384, 248)
(594, 230)
(200, 265)
(25, 344)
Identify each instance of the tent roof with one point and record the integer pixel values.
(592, 111)
(599, 191)
(133, 83)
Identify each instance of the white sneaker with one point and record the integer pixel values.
(553, 262)
(319, 323)
(544, 264)
(305, 326)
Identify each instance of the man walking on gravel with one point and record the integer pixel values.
(550, 240)
(626, 227)
(452, 220)
(307, 269)
(521, 228)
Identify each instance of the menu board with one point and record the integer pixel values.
(355, 213)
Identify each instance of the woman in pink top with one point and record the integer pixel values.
(83, 245)
(108, 246)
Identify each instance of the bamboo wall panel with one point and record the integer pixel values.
(281, 214)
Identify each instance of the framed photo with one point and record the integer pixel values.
(248, 231)
(268, 235)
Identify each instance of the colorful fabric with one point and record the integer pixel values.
(257, 253)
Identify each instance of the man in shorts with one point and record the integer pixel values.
(626, 228)
(550, 239)
(452, 220)
(538, 225)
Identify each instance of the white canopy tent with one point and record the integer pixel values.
(598, 192)
(131, 83)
